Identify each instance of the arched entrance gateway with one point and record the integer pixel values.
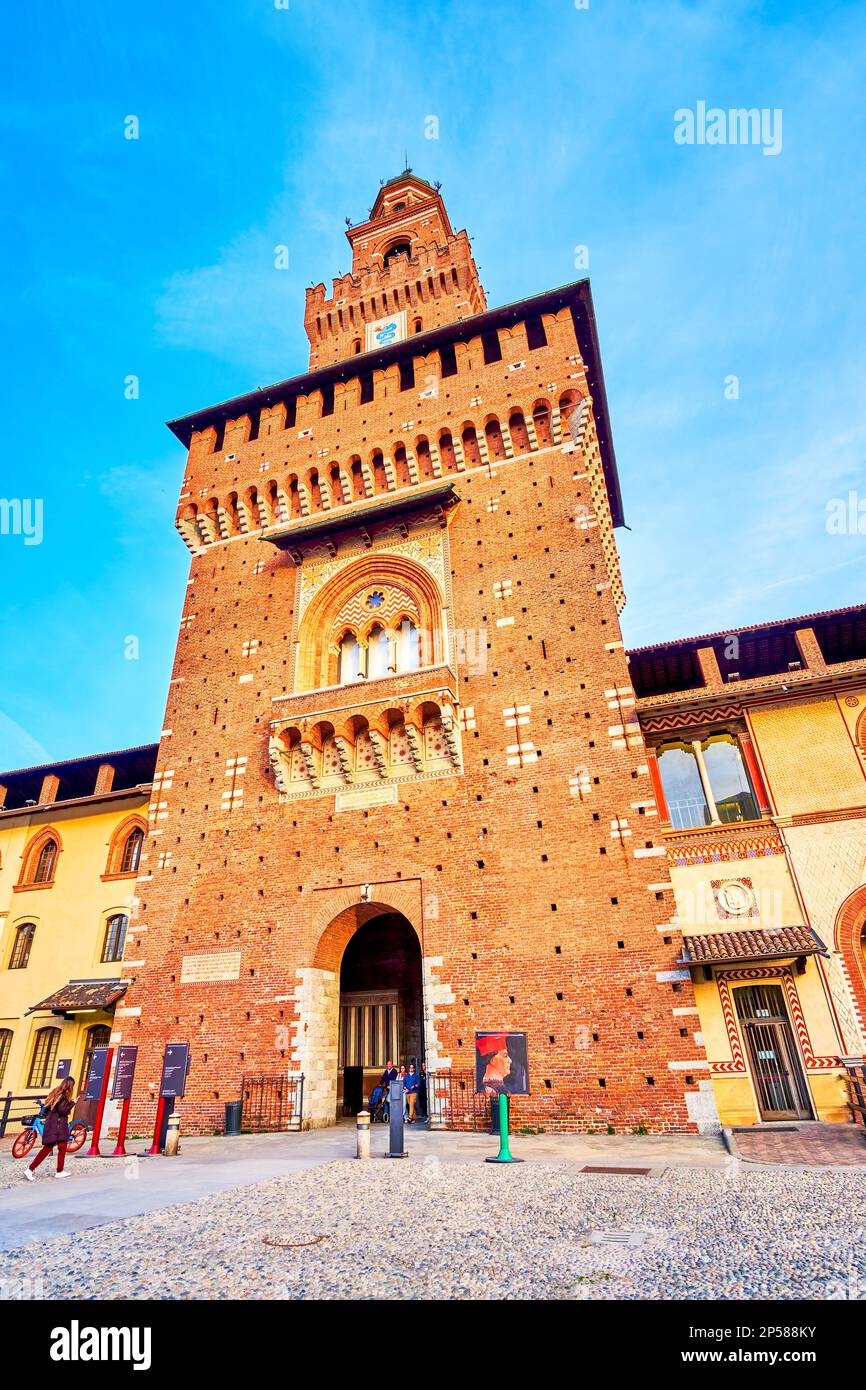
(360, 1004)
(381, 1010)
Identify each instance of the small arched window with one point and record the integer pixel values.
(115, 937)
(408, 647)
(131, 857)
(377, 654)
(471, 452)
(401, 249)
(541, 420)
(519, 433)
(45, 1047)
(44, 869)
(349, 659)
(5, 1048)
(22, 945)
(419, 326)
(97, 1036)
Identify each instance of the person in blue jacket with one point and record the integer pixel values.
(411, 1082)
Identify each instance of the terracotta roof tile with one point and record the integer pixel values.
(83, 994)
(716, 948)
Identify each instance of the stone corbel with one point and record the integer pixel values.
(344, 754)
(277, 756)
(415, 747)
(311, 762)
(380, 752)
(449, 731)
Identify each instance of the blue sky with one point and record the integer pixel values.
(261, 126)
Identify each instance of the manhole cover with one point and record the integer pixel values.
(629, 1238)
(635, 1172)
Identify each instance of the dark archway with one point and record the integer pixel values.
(381, 1006)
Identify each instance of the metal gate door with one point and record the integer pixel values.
(776, 1070)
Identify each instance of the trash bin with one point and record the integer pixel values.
(234, 1111)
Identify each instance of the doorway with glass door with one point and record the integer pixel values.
(774, 1058)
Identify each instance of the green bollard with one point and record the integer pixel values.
(505, 1155)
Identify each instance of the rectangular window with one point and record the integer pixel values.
(21, 949)
(291, 414)
(115, 938)
(366, 388)
(407, 375)
(328, 399)
(5, 1046)
(448, 360)
(44, 1057)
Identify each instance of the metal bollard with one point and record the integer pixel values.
(362, 1134)
(172, 1137)
(395, 1125)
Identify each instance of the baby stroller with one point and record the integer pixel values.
(378, 1106)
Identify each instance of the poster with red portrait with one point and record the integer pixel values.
(501, 1064)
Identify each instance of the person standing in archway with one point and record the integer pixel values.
(388, 1075)
(411, 1082)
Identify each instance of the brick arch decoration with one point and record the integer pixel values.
(354, 616)
(118, 841)
(333, 932)
(850, 943)
(315, 658)
(30, 858)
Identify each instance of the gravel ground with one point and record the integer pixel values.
(12, 1169)
(436, 1230)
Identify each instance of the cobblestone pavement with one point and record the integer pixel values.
(429, 1228)
(817, 1144)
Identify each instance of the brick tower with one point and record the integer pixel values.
(401, 792)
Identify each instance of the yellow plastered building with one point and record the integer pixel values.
(756, 742)
(71, 841)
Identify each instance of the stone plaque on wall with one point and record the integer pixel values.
(206, 969)
(366, 796)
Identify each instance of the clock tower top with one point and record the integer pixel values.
(410, 272)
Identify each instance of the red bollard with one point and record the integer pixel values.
(120, 1147)
(93, 1151)
(160, 1111)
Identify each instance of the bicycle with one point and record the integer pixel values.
(34, 1126)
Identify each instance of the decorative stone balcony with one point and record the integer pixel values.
(367, 736)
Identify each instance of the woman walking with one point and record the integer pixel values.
(57, 1106)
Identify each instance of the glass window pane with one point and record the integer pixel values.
(731, 791)
(410, 654)
(349, 654)
(377, 654)
(683, 789)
